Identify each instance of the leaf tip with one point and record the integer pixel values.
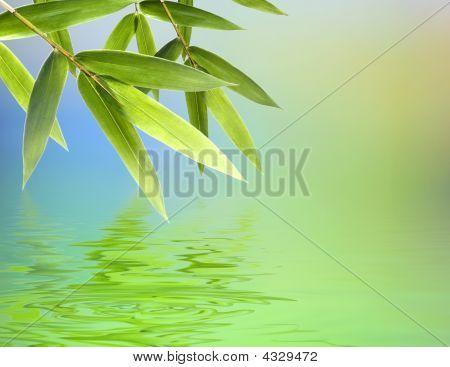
(27, 172)
(235, 27)
(254, 158)
(259, 166)
(64, 146)
(271, 103)
(25, 179)
(161, 208)
(163, 213)
(238, 176)
(276, 105)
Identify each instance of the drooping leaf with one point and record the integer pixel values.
(222, 69)
(56, 15)
(144, 36)
(42, 109)
(262, 5)
(162, 124)
(148, 71)
(185, 15)
(231, 122)
(122, 34)
(197, 109)
(170, 51)
(20, 83)
(125, 140)
(146, 45)
(186, 32)
(63, 39)
(198, 114)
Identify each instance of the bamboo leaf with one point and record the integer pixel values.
(42, 109)
(156, 93)
(185, 15)
(198, 114)
(63, 39)
(20, 83)
(125, 140)
(262, 5)
(148, 71)
(222, 69)
(146, 44)
(197, 109)
(56, 15)
(231, 122)
(162, 124)
(186, 32)
(144, 36)
(122, 34)
(170, 51)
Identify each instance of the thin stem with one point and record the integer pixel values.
(53, 44)
(180, 36)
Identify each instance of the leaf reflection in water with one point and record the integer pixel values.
(164, 290)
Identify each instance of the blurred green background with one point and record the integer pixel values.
(362, 261)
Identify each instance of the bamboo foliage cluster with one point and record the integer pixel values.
(121, 88)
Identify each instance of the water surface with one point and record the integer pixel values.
(249, 279)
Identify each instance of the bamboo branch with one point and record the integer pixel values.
(180, 36)
(53, 44)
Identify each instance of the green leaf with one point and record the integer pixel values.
(42, 109)
(222, 69)
(147, 71)
(156, 93)
(144, 36)
(198, 114)
(262, 5)
(162, 124)
(186, 15)
(122, 34)
(186, 32)
(124, 138)
(63, 39)
(231, 122)
(56, 15)
(170, 51)
(20, 83)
